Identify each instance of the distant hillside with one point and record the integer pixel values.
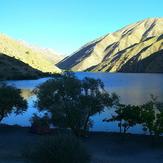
(11, 68)
(134, 48)
(40, 59)
(49, 54)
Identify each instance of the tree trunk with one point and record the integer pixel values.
(120, 127)
(86, 122)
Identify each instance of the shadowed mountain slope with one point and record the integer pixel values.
(11, 68)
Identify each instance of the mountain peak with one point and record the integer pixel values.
(153, 19)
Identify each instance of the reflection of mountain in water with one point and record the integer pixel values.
(26, 93)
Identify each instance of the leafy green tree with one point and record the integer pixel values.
(93, 99)
(127, 116)
(11, 101)
(72, 102)
(152, 117)
(158, 127)
(148, 117)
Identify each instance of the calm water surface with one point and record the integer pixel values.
(132, 89)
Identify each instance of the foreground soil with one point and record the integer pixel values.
(103, 147)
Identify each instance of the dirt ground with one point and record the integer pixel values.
(113, 148)
(103, 147)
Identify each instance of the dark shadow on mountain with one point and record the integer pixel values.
(14, 69)
(90, 68)
(111, 46)
(150, 28)
(76, 57)
(148, 38)
(151, 64)
(115, 45)
(160, 37)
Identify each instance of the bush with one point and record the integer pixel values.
(11, 101)
(59, 149)
(40, 125)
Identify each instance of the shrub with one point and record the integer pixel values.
(58, 149)
(11, 101)
(40, 125)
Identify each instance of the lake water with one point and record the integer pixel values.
(132, 89)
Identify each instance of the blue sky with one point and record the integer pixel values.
(65, 25)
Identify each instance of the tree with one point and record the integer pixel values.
(93, 99)
(148, 117)
(152, 117)
(11, 101)
(126, 115)
(158, 126)
(71, 101)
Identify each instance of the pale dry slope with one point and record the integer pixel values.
(42, 60)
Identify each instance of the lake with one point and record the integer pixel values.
(132, 89)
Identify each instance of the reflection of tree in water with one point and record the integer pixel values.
(26, 93)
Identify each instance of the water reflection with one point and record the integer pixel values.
(27, 93)
(132, 88)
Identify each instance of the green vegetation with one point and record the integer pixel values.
(149, 115)
(59, 149)
(72, 102)
(127, 117)
(11, 101)
(40, 125)
(152, 117)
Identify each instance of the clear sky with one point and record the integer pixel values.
(65, 25)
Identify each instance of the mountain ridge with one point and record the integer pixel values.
(133, 43)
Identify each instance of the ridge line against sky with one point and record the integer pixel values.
(66, 25)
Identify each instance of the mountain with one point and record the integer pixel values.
(11, 68)
(49, 54)
(43, 60)
(135, 48)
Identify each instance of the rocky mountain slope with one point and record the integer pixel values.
(41, 59)
(135, 48)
